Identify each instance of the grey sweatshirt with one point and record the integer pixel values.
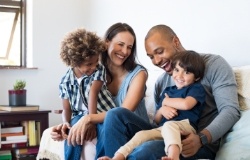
(221, 110)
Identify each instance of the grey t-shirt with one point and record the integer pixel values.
(221, 110)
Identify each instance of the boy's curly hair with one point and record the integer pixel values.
(79, 45)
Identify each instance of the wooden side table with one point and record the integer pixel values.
(18, 116)
(41, 115)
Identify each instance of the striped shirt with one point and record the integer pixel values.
(75, 93)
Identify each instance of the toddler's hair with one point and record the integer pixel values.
(79, 45)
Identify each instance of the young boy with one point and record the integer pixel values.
(179, 109)
(83, 88)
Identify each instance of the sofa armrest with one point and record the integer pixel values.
(50, 149)
(58, 111)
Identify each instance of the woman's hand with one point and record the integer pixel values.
(56, 133)
(82, 131)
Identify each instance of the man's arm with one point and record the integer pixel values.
(224, 91)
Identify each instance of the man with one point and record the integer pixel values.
(221, 109)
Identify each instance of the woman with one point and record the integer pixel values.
(125, 78)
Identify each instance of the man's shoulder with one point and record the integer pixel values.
(215, 62)
(163, 81)
(163, 77)
(210, 58)
(217, 70)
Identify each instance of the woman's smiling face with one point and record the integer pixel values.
(119, 48)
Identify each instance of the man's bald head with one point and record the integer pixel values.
(163, 30)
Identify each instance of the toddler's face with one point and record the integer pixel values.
(182, 77)
(88, 67)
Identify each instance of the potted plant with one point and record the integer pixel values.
(17, 95)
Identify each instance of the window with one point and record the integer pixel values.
(12, 31)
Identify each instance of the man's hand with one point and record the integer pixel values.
(190, 144)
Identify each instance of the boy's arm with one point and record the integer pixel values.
(93, 96)
(180, 103)
(158, 117)
(66, 117)
(66, 114)
(165, 111)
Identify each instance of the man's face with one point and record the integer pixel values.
(161, 51)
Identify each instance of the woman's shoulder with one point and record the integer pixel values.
(138, 70)
(139, 67)
(139, 74)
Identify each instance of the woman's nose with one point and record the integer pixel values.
(124, 50)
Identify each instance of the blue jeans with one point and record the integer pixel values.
(154, 150)
(72, 152)
(119, 126)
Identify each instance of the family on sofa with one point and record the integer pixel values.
(126, 82)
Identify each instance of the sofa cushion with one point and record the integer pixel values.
(242, 75)
(235, 144)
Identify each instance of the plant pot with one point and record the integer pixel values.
(17, 97)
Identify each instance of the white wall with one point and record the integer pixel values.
(208, 26)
